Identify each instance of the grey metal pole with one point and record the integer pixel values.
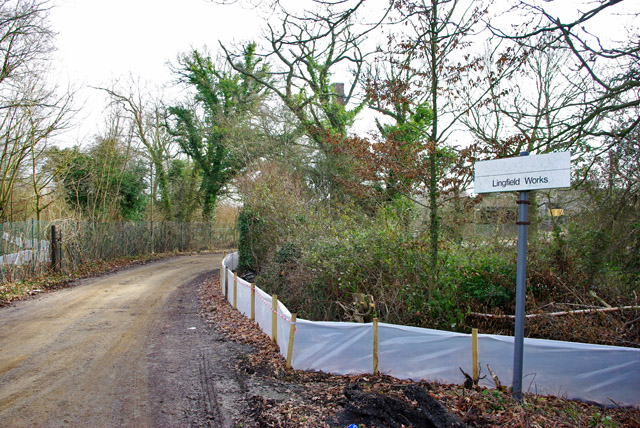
(521, 279)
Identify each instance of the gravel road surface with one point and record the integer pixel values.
(125, 349)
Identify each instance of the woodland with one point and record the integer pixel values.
(342, 144)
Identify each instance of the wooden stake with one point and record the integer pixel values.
(223, 275)
(235, 290)
(226, 288)
(375, 346)
(274, 319)
(253, 301)
(292, 332)
(474, 355)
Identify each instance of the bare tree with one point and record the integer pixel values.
(30, 112)
(25, 38)
(25, 126)
(610, 67)
(529, 110)
(146, 118)
(422, 90)
(567, 88)
(45, 121)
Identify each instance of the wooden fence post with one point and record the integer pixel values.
(235, 290)
(223, 275)
(253, 301)
(60, 249)
(292, 332)
(55, 249)
(375, 346)
(274, 319)
(474, 355)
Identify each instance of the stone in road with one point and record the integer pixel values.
(125, 349)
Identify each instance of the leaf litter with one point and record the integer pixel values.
(294, 398)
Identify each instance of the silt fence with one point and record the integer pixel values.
(607, 375)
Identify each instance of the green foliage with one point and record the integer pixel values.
(600, 420)
(273, 211)
(183, 181)
(133, 200)
(410, 127)
(104, 182)
(287, 253)
(329, 256)
(77, 186)
(249, 227)
(305, 53)
(482, 275)
(208, 152)
(222, 103)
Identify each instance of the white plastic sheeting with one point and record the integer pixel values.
(25, 257)
(34, 251)
(263, 304)
(601, 374)
(606, 375)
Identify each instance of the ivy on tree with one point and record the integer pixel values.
(223, 102)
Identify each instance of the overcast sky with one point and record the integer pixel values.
(100, 41)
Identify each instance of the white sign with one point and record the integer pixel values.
(546, 171)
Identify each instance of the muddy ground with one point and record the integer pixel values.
(126, 349)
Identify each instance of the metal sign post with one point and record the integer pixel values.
(521, 284)
(521, 174)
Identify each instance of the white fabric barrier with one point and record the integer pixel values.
(284, 324)
(36, 251)
(263, 304)
(573, 370)
(335, 347)
(263, 311)
(607, 375)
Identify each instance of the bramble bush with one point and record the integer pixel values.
(323, 260)
(315, 255)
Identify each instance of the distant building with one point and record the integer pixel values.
(338, 91)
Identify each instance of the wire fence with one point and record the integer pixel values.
(25, 247)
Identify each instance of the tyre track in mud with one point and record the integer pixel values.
(125, 349)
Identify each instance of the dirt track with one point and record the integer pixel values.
(126, 349)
